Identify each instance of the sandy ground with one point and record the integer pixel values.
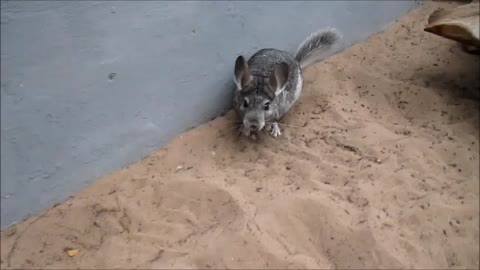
(378, 167)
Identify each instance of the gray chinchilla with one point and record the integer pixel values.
(271, 81)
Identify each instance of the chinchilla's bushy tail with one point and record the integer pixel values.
(316, 47)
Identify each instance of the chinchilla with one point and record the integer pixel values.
(270, 82)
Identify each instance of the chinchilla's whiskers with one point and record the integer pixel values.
(304, 127)
(286, 125)
(235, 127)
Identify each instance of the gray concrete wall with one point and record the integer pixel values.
(87, 87)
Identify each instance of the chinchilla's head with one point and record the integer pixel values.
(255, 99)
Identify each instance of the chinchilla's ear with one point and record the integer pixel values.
(242, 73)
(278, 79)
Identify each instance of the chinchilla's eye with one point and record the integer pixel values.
(245, 103)
(266, 106)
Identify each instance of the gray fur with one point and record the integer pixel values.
(315, 47)
(266, 83)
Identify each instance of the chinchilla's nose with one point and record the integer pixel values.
(252, 124)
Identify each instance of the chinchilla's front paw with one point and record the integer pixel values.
(275, 130)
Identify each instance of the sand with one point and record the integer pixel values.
(378, 167)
